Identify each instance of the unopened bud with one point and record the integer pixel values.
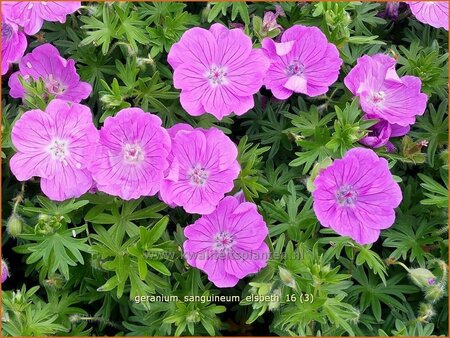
(193, 317)
(55, 282)
(347, 19)
(14, 225)
(426, 312)
(276, 300)
(264, 289)
(286, 277)
(423, 278)
(434, 293)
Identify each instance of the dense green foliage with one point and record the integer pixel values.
(77, 266)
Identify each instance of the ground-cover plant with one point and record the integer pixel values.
(224, 168)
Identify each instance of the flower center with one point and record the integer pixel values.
(223, 241)
(7, 31)
(54, 86)
(133, 153)
(346, 196)
(295, 68)
(198, 176)
(59, 149)
(217, 75)
(378, 98)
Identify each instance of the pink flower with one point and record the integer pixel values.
(217, 71)
(229, 243)
(132, 155)
(59, 75)
(203, 168)
(31, 15)
(433, 13)
(14, 44)
(5, 271)
(356, 196)
(303, 62)
(383, 94)
(381, 132)
(56, 145)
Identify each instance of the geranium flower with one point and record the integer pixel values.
(383, 94)
(31, 15)
(356, 196)
(229, 243)
(56, 145)
(59, 75)
(14, 44)
(303, 62)
(433, 13)
(380, 134)
(132, 154)
(217, 71)
(203, 168)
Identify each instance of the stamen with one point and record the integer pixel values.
(133, 153)
(346, 195)
(198, 176)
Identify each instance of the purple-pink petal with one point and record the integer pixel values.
(31, 15)
(14, 44)
(303, 62)
(58, 74)
(202, 169)
(131, 158)
(56, 145)
(217, 71)
(383, 94)
(228, 244)
(356, 196)
(433, 13)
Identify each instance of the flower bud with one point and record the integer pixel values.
(5, 271)
(434, 293)
(330, 18)
(55, 282)
(391, 10)
(426, 312)
(286, 277)
(264, 289)
(347, 19)
(193, 317)
(275, 303)
(14, 225)
(423, 278)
